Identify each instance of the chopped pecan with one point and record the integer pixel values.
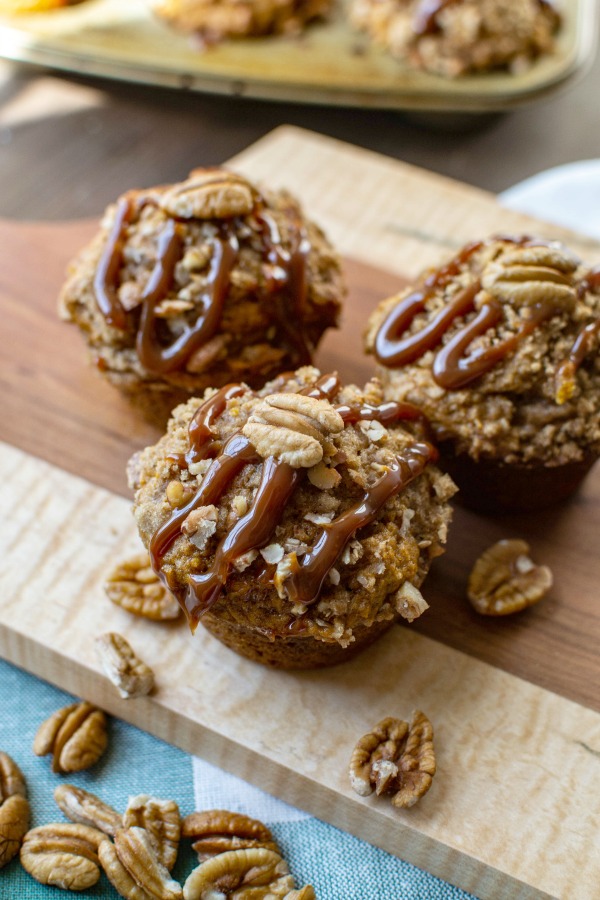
(410, 602)
(87, 809)
(130, 675)
(294, 428)
(134, 869)
(504, 580)
(134, 586)
(14, 808)
(161, 820)
(395, 758)
(240, 873)
(63, 855)
(209, 194)
(75, 735)
(218, 830)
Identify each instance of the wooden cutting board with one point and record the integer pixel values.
(515, 808)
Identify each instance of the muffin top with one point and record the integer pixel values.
(304, 509)
(204, 282)
(454, 37)
(213, 20)
(498, 347)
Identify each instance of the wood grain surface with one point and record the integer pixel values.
(330, 62)
(515, 810)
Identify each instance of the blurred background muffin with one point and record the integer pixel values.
(455, 37)
(296, 523)
(214, 20)
(498, 347)
(193, 285)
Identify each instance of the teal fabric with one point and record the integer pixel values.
(339, 866)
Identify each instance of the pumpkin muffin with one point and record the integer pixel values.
(215, 20)
(198, 284)
(456, 37)
(498, 348)
(297, 523)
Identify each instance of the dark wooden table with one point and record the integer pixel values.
(69, 146)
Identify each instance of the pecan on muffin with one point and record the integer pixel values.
(197, 284)
(213, 20)
(498, 347)
(296, 523)
(456, 37)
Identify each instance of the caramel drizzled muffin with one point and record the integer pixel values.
(214, 20)
(498, 347)
(296, 523)
(202, 283)
(456, 37)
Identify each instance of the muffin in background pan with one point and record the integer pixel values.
(457, 37)
(214, 20)
(197, 284)
(296, 523)
(499, 349)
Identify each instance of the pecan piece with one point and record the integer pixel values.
(87, 809)
(130, 675)
(395, 758)
(209, 194)
(75, 735)
(504, 580)
(134, 869)
(14, 808)
(218, 830)
(64, 855)
(528, 275)
(240, 872)
(293, 428)
(134, 586)
(161, 820)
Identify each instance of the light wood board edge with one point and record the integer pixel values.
(513, 810)
(363, 199)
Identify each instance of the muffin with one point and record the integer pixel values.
(296, 523)
(456, 37)
(498, 348)
(198, 284)
(214, 20)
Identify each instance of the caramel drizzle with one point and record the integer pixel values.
(288, 284)
(203, 443)
(107, 273)
(306, 580)
(452, 368)
(153, 355)
(288, 280)
(567, 370)
(278, 481)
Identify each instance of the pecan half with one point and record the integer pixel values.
(293, 428)
(75, 735)
(395, 758)
(161, 820)
(130, 675)
(133, 868)
(218, 830)
(528, 275)
(63, 855)
(504, 580)
(209, 194)
(134, 586)
(240, 873)
(87, 809)
(14, 808)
